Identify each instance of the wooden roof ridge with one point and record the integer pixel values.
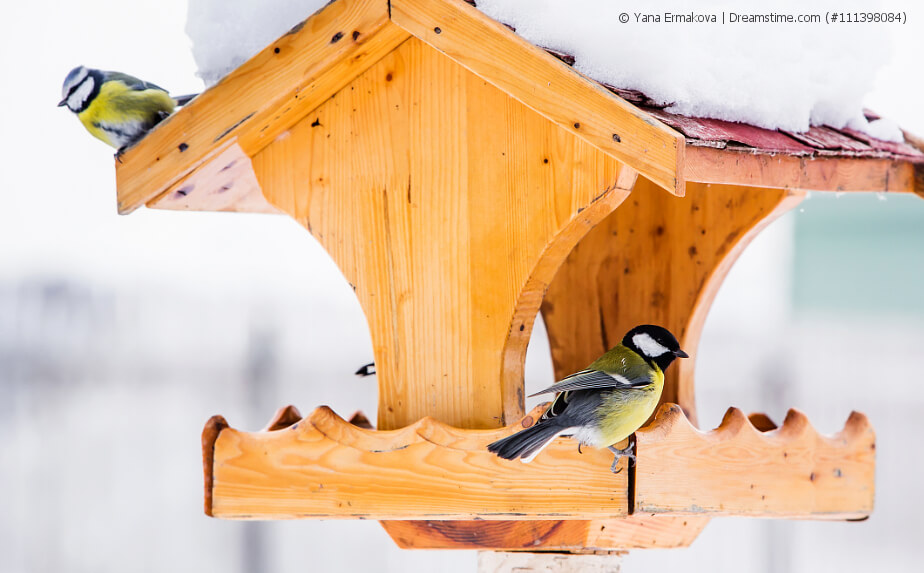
(264, 97)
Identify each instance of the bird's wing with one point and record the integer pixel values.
(133, 82)
(587, 379)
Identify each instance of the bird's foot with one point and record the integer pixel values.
(628, 452)
(119, 153)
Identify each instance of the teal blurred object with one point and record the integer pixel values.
(861, 251)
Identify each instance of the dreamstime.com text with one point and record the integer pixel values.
(763, 18)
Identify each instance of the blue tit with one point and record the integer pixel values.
(605, 403)
(116, 108)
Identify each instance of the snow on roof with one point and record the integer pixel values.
(819, 140)
(773, 74)
(226, 33)
(774, 88)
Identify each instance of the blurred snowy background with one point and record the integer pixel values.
(120, 336)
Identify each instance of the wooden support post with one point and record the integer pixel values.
(503, 562)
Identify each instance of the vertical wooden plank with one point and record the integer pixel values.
(448, 205)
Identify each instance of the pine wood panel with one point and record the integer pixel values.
(225, 183)
(448, 205)
(631, 532)
(259, 100)
(736, 469)
(842, 174)
(657, 260)
(325, 467)
(548, 86)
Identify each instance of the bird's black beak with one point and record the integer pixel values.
(62, 102)
(681, 354)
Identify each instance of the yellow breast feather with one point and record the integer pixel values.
(119, 115)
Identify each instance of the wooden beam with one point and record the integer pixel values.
(260, 100)
(548, 86)
(324, 467)
(632, 532)
(841, 174)
(736, 469)
(448, 206)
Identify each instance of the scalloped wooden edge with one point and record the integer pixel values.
(738, 469)
(321, 466)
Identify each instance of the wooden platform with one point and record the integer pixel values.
(322, 466)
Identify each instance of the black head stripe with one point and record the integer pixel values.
(97, 84)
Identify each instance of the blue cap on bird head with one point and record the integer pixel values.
(79, 85)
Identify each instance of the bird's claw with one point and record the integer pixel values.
(628, 452)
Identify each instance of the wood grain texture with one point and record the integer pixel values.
(210, 434)
(324, 467)
(575, 536)
(842, 174)
(259, 100)
(656, 260)
(548, 86)
(919, 180)
(449, 206)
(224, 183)
(736, 469)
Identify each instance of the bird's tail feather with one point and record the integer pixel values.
(525, 443)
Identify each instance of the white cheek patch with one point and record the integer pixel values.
(648, 345)
(81, 75)
(76, 100)
(72, 82)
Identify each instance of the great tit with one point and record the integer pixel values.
(605, 403)
(116, 108)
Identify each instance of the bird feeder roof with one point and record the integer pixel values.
(264, 97)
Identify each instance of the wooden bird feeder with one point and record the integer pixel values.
(463, 179)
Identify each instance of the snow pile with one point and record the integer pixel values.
(774, 75)
(226, 33)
